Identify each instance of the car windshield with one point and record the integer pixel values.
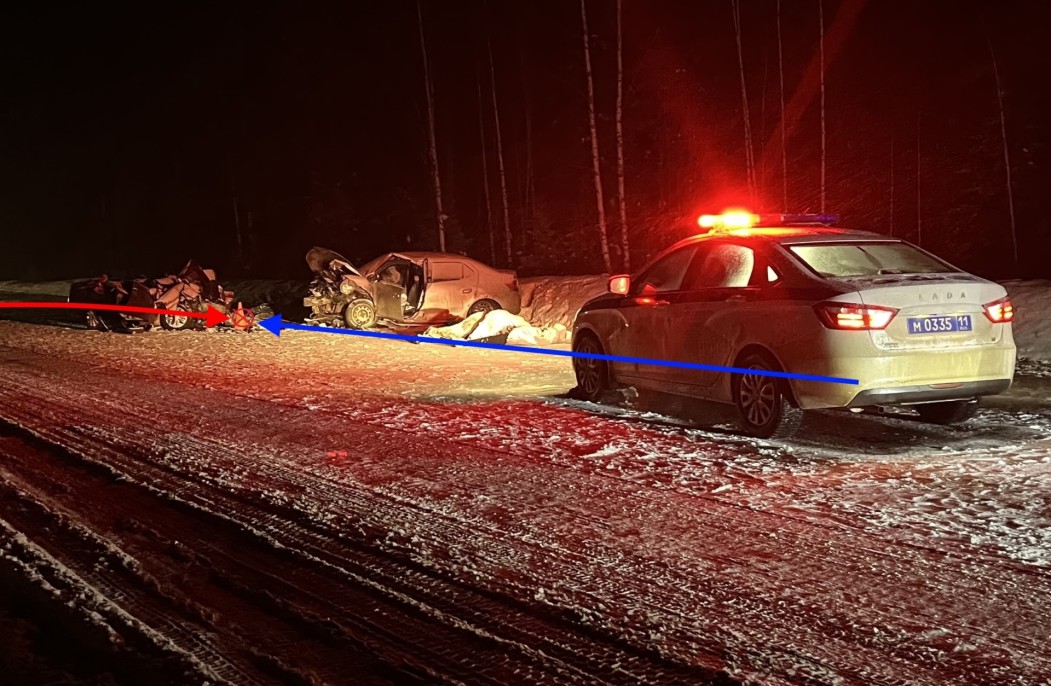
(846, 260)
(374, 264)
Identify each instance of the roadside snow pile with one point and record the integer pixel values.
(502, 326)
(1032, 324)
(48, 290)
(550, 300)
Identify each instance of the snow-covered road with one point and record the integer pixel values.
(326, 509)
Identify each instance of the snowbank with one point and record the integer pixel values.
(550, 300)
(26, 290)
(1032, 327)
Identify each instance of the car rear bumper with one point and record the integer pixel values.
(905, 395)
(902, 378)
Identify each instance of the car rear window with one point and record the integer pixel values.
(844, 260)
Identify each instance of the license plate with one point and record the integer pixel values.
(944, 324)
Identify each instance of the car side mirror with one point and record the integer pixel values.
(619, 284)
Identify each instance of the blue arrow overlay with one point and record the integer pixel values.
(275, 324)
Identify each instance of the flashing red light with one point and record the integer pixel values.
(730, 219)
(853, 317)
(999, 311)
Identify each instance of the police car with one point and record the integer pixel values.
(791, 293)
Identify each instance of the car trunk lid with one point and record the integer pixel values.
(934, 310)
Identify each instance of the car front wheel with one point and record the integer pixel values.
(949, 412)
(592, 375)
(360, 314)
(763, 409)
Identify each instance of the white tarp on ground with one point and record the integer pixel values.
(497, 323)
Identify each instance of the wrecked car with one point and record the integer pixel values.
(405, 289)
(193, 289)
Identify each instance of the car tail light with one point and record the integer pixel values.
(999, 311)
(852, 317)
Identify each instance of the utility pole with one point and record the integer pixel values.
(433, 148)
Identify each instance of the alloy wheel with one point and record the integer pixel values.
(589, 371)
(758, 397)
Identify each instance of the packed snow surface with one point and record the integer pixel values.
(316, 508)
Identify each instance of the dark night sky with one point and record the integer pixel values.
(126, 132)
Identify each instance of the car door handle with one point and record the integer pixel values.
(737, 298)
(467, 290)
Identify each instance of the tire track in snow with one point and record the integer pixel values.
(274, 526)
(811, 573)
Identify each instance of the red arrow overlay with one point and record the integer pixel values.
(211, 317)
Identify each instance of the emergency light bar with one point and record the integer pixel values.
(740, 219)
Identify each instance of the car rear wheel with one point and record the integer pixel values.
(593, 379)
(360, 314)
(486, 306)
(949, 412)
(92, 321)
(177, 322)
(763, 409)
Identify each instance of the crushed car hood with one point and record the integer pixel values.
(319, 259)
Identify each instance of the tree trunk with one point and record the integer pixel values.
(433, 148)
(1007, 154)
(919, 195)
(892, 185)
(529, 204)
(485, 175)
(500, 157)
(749, 153)
(595, 166)
(784, 143)
(821, 22)
(623, 203)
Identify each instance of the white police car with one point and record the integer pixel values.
(789, 293)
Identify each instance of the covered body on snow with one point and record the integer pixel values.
(411, 288)
(193, 289)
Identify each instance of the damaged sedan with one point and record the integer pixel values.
(193, 289)
(405, 289)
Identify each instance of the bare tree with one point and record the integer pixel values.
(1007, 154)
(596, 167)
(500, 155)
(784, 143)
(749, 153)
(433, 149)
(821, 21)
(485, 175)
(625, 249)
(892, 185)
(529, 191)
